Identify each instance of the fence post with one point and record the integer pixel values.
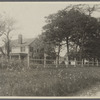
(44, 60)
(82, 62)
(56, 62)
(92, 63)
(67, 61)
(97, 63)
(75, 62)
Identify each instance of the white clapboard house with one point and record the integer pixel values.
(20, 48)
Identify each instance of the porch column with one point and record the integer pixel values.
(10, 57)
(28, 60)
(19, 57)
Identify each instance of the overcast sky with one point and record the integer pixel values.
(30, 15)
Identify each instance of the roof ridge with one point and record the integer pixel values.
(26, 41)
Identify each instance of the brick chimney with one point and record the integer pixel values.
(20, 38)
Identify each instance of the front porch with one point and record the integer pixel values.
(20, 56)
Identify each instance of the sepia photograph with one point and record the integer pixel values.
(50, 49)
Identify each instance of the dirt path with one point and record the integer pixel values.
(93, 91)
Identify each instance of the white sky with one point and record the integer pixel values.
(30, 15)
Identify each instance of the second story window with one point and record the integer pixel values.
(22, 49)
(31, 49)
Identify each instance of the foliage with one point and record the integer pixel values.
(75, 24)
(13, 64)
(43, 47)
(48, 82)
(7, 27)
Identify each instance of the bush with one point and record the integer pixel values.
(18, 64)
(36, 65)
(3, 63)
(13, 64)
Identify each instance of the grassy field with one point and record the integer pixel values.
(48, 82)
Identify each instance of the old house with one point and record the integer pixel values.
(24, 49)
(21, 48)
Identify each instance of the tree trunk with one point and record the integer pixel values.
(67, 43)
(8, 46)
(81, 51)
(2, 51)
(58, 52)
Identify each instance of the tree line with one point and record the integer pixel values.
(77, 29)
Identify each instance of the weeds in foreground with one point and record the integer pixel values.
(47, 82)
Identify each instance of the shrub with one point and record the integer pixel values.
(17, 65)
(13, 64)
(35, 65)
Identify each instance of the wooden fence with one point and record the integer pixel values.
(52, 62)
(45, 63)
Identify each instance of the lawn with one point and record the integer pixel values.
(48, 82)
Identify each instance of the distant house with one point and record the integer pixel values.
(21, 48)
(24, 49)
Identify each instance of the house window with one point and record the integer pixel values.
(22, 49)
(31, 49)
(37, 50)
(42, 50)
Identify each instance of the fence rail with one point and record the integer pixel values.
(52, 63)
(73, 63)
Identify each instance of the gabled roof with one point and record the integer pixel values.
(25, 42)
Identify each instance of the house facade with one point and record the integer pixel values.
(24, 49)
(21, 48)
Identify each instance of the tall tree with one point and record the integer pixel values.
(73, 24)
(7, 29)
(53, 32)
